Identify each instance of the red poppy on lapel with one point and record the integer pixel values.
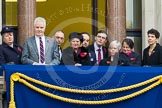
(83, 54)
(152, 52)
(19, 49)
(132, 59)
(108, 62)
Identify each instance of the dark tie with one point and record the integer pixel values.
(41, 50)
(99, 55)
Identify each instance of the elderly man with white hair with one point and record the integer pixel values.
(40, 49)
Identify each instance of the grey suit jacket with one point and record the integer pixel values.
(30, 52)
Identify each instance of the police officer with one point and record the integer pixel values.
(10, 53)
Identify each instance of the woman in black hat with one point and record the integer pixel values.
(75, 54)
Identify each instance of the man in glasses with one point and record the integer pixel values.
(97, 50)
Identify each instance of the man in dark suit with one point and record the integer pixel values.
(10, 53)
(86, 39)
(40, 49)
(97, 50)
(59, 37)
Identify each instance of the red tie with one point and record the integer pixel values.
(99, 55)
(41, 50)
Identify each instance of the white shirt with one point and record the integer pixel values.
(96, 51)
(60, 52)
(38, 45)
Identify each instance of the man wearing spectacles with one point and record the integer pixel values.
(97, 50)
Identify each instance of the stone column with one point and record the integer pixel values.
(151, 18)
(148, 19)
(116, 21)
(158, 17)
(26, 15)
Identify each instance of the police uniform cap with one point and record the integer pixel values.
(6, 29)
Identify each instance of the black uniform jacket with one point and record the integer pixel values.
(9, 55)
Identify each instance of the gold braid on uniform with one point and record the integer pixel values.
(18, 77)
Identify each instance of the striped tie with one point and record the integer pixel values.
(41, 51)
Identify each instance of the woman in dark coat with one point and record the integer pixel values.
(152, 55)
(127, 57)
(113, 56)
(75, 54)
